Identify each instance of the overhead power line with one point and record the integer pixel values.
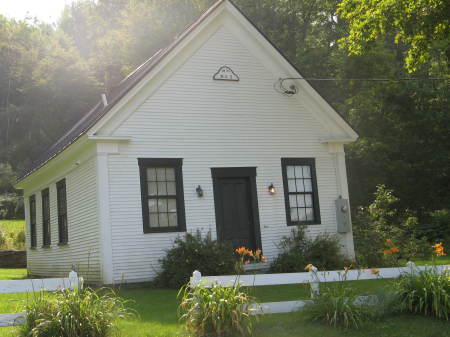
(292, 90)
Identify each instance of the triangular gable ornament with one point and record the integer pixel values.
(226, 74)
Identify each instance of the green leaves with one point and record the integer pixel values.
(426, 293)
(216, 311)
(420, 24)
(70, 313)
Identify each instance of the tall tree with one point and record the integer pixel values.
(422, 25)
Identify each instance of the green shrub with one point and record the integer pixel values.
(19, 240)
(192, 253)
(299, 251)
(426, 293)
(436, 226)
(3, 240)
(381, 221)
(73, 313)
(216, 311)
(337, 306)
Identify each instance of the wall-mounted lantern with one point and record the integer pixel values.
(199, 191)
(271, 189)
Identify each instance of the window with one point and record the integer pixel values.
(300, 191)
(46, 239)
(62, 211)
(162, 195)
(33, 238)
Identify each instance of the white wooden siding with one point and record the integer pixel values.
(83, 247)
(214, 124)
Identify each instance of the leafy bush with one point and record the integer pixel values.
(436, 226)
(11, 206)
(3, 240)
(19, 240)
(426, 293)
(337, 306)
(298, 251)
(195, 253)
(381, 222)
(73, 313)
(216, 311)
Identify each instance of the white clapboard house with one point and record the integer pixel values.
(205, 135)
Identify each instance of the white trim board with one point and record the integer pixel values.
(298, 278)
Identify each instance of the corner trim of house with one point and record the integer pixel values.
(103, 211)
(338, 153)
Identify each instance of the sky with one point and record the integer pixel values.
(45, 10)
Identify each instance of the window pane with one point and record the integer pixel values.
(301, 214)
(308, 200)
(291, 185)
(151, 174)
(306, 172)
(161, 174)
(162, 205)
(301, 200)
(290, 171)
(162, 188)
(152, 189)
(152, 205)
(310, 214)
(163, 220)
(300, 186)
(170, 174)
(172, 205)
(294, 214)
(298, 172)
(293, 200)
(154, 220)
(171, 188)
(308, 185)
(173, 220)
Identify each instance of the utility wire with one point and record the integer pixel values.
(292, 90)
(368, 79)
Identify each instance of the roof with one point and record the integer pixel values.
(117, 93)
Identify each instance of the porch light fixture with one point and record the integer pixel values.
(271, 189)
(199, 191)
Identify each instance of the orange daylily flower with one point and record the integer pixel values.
(309, 267)
(388, 242)
(387, 252)
(375, 271)
(395, 250)
(241, 251)
(439, 249)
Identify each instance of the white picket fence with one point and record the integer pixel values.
(313, 277)
(35, 285)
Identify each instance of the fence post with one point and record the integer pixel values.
(74, 281)
(412, 268)
(314, 283)
(196, 278)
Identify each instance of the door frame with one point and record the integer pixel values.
(237, 172)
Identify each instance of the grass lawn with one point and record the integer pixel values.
(10, 230)
(12, 226)
(157, 314)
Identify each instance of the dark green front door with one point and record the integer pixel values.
(235, 218)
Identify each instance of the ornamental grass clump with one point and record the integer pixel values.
(217, 310)
(74, 313)
(338, 306)
(426, 293)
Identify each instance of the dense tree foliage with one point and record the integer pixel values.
(423, 25)
(51, 75)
